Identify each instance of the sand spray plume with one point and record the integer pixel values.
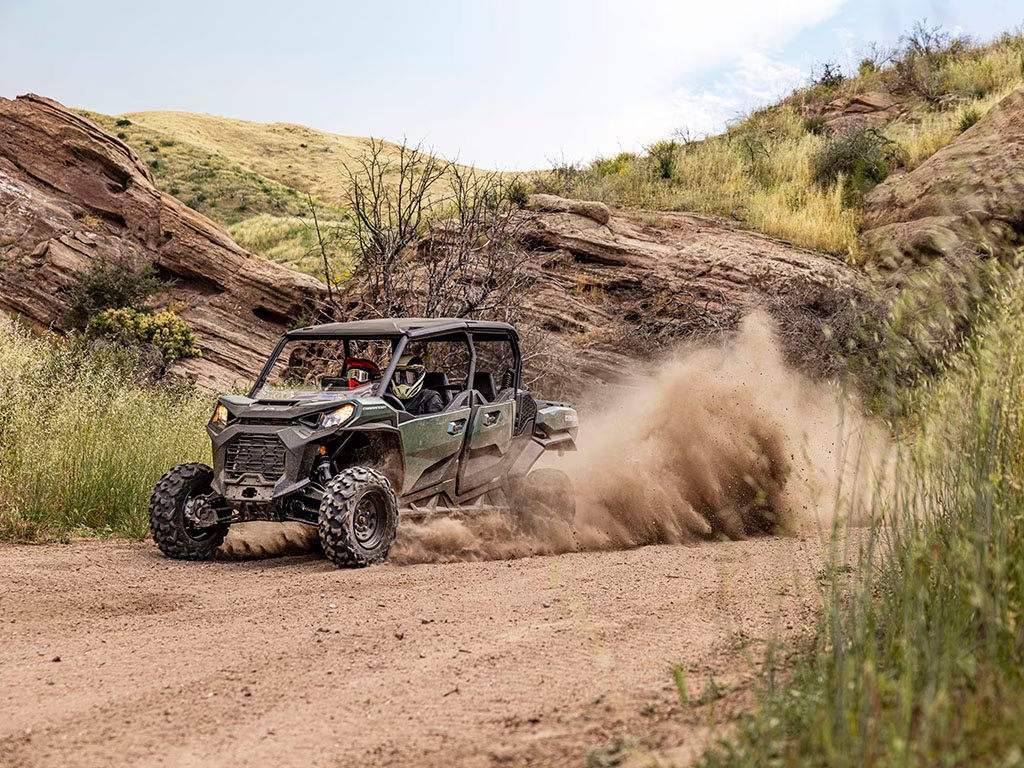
(726, 441)
(257, 540)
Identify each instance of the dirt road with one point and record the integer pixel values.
(111, 654)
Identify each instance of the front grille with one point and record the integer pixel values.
(258, 454)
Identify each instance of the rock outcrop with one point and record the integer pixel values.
(641, 282)
(70, 194)
(589, 209)
(872, 109)
(967, 196)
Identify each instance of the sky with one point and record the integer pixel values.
(510, 85)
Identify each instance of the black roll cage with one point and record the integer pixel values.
(398, 345)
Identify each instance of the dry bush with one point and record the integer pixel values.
(432, 239)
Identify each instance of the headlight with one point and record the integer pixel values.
(338, 417)
(220, 416)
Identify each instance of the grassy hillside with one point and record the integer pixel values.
(293, 156)
(785, 172)
(213, 183)
(202, 160)
(252, 178)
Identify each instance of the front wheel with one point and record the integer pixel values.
(172, 514)
(358, 518)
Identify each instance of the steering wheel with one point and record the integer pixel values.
(393, 401)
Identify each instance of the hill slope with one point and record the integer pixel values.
(296, 157)
(798, 170)
(252, 178)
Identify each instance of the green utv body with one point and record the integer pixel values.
(354, 462)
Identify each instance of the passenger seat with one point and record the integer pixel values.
(438, 381)
(483, 382)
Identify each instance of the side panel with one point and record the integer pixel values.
(432, 447)
(490, 437)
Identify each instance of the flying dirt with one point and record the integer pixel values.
(725, 442)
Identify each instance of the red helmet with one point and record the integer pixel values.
(360, 371)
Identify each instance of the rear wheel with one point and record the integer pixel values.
(173, 514)
(358, 518)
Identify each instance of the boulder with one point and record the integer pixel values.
(588, 209)
(70, 194)
(871, 109)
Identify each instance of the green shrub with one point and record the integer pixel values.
(831, 76)
(81, 444)
(866, 67)
(611, 166)
(862, 157)
(664, 154)
(517, 191)
(816, 125)
(969, 117)
(112, 283)
(164, 330)
(926, 50)
(123, 122)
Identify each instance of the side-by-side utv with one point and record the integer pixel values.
(323, 439)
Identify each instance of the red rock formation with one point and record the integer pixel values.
(70, 193)
(872, 109)
(635, 285)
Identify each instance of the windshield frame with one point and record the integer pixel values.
(398, 344)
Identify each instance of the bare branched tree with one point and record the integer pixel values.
(435, 239)
(389, 198)
(472, 260)
(324, 248)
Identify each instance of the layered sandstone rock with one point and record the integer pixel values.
(70, 194)
(872, 109)
(636, 285)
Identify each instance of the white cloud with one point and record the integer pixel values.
(756, 81)
(607, 75)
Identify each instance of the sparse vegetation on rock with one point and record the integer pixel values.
(762, 172)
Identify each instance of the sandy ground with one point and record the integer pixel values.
(111, 654)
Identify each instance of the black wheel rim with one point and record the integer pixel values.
(194, 533)
(369, 520)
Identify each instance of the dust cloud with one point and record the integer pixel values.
(725, 442)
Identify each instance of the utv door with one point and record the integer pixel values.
(487, 444)
(432, 447)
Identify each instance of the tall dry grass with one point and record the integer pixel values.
(81, 443)
(760, 172)
(919, 654)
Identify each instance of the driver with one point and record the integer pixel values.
(360, 371)
(407, 386)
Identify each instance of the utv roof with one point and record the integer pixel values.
(401, 326)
